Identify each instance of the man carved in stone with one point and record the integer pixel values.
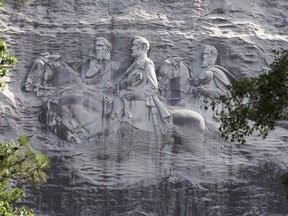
(142, 107)
(210, 83)
(81, 108)
(100, 71)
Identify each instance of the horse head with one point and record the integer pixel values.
(49, 73)
(166, 72)
(173, 76)
(36, 73)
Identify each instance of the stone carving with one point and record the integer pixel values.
(139, 93)
(227, 172)
(77, 112)
(174, 85)
(100, 71)
(144, 110)
(184, 89)
(209, 84)
(78, 109)
(48, 74)
(35, 78)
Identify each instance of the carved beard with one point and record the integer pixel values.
(208, 62)
(100, 56)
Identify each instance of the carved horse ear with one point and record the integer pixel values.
(175, 64)
(167, 62)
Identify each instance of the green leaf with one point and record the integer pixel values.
(268, 90)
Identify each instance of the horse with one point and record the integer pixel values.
(48, 74)
(72, 109)
(175, 91)
(173, 77)
(76, 111)
(183, 89)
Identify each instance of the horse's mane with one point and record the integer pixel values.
(177, 65)
(67, 68)
(63, 74)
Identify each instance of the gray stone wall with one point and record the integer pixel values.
(139, 176)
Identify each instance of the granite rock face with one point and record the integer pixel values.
(134, 172)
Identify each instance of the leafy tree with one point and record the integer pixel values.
(268, 102)
(6, 61)
(22, 2)
(19, 166)
(19, 163)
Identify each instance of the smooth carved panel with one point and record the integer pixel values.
(117, 107)
(102, 97)
(195, 90)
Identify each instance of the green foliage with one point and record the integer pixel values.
(22, 2)
(6, 61)
(19, 165)
(268, 102)
(285, 183)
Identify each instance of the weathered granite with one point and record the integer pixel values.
(109, 177)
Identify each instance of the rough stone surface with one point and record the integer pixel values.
(131, 177)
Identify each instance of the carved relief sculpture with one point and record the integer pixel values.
(142, 105)
(174, 85)
(209, 84)
(100, 70)
(79, 109)
(143, 108)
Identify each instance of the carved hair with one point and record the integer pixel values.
(143, 41)
(211, 49)
(213, 53)
(106, 42)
